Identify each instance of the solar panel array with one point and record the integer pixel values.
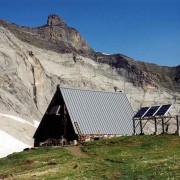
(153, 111)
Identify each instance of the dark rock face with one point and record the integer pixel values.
(55, 36)
(177, 78)
(54, 20)
(143, 74)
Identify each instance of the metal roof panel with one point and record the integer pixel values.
(98, 112)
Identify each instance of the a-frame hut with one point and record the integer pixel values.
(75, 113)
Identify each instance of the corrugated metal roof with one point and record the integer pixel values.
(98, 112)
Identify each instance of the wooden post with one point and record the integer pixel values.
(134, 127)
(162, 125)
(65, 121)
(155, 121)
(141, 128)
(177, 121)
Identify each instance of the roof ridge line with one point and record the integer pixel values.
(80, 88)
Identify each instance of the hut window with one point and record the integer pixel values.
(55, 110)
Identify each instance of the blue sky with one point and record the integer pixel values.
(146, 30)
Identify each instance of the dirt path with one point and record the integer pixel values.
(76, 150)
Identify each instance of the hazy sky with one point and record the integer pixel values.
(146, 30)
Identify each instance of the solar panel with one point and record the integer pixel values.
(151, 111)
(141, 112)
(163, 110)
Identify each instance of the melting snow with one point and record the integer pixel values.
(28, 137)
(35, 123)
(106, 54)
(9, 144)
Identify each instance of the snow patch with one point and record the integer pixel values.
(106, 54)
(9, 144)
(36, 123)
(28, 137)
(20, 119)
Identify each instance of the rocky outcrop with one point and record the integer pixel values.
(177, 77)
(142, 74)
(55, 36)
(54, 20)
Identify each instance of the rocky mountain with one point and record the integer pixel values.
(55, 36)
(34, 60)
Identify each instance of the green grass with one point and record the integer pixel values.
(130, 157)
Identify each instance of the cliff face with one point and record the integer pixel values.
(143, 74)
(55, 36)
(34, 60)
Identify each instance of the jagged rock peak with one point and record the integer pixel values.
(55, 20)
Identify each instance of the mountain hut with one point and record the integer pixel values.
(78, 114)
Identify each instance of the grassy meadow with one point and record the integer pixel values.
(130, 157)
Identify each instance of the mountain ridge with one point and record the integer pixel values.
(55, 35)
(58, 37)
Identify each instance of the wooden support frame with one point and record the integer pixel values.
(162, 120)
(134, 127)
(177, 120)
(155, 119)
(141, 128)
(178, 123)
(155, 123)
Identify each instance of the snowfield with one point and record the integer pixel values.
(8, 143)
(19, 119)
